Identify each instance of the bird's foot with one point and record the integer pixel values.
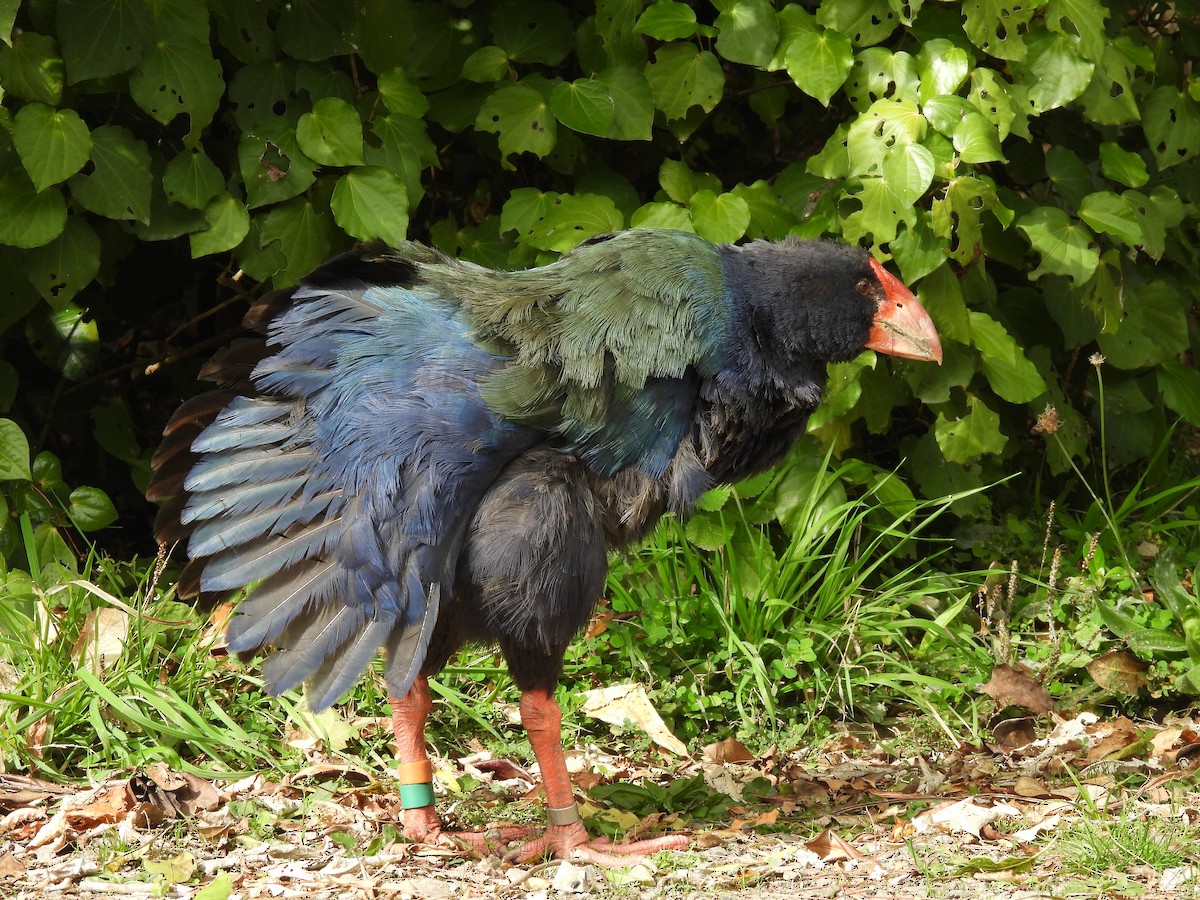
(423, 826)
(571, 842)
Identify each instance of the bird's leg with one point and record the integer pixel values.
(565, 836)
(421, 821)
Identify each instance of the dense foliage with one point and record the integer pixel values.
(1029, 167)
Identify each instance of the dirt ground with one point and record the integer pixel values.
(1089, 809)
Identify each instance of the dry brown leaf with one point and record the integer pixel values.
(1029, 787)
(730, 750)
(1115, 737)
(830, 848)
(1015, 686)
(102, 639)
(628, 704)
(40, 734)
(770, 817)
(10, 867)
(213, 635)
(962, 817)
(1119, 672)
(1014, 733)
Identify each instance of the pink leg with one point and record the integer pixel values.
(422, 824)
(542, 718)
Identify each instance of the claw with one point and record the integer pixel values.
(572, 842)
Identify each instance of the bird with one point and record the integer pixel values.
(418, 453)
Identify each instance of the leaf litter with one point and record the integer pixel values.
(802, 822)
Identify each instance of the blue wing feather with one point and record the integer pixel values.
(340, 493)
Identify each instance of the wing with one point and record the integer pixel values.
(608, 344)
(339, 488)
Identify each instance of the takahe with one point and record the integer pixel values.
(424, 452)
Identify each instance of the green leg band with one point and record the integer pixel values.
(414, 796)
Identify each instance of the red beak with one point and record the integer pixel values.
(902, 327)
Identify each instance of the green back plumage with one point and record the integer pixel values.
(588, 333)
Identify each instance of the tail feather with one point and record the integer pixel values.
(205, 505)
(218, 535)
(312, 641)
(406, 647)
(248, 467)
(266, 556)
(277, 600)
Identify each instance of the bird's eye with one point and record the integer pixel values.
(863, 287)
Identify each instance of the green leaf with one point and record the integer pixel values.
(662, 215)
(667, 20)
(305, 237)
(1084, 18)
(888, 127)
(747, 31)
(14, 452)
(878, 73)
(682, 77)
(956, 216)
(228, 221)
(220, 888)
(1180, 386)
(192, 179)
(524, 208)
(1122, 166)
(29, 218)
(879, 214)
(1109, 98)
(917, 250)
(371, 202)
(995, 98)
(1008, 370)
(633, 103)
(118, 187)
(770, 218)
(1055, 73)
(331, 134)
(400, 94)
(102, 37)
(865, 22)
(1105, 211)
(1064, 245)
(53, 144)
(584, 106)
(533, 31)
(90, 509)
(178, 75)
(996, 26)
(316, 30)
(1171, 121)
(8, 17)
(680, 182)
(30, 68)
(818, 62)
(942, 67)
(64, 339)
(709, 533)
(405, 149)
(65, 266)
(715, 499)
(263, 90)
(909, 174)
(1070, 175)
(1155, 214)
(522, 118)
(720, 218)
(383, 34)
(615, 24)
(574, 218)
(272, 166)
(968, 437)
(977, 140)
(1154, 328)
(486, 65)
